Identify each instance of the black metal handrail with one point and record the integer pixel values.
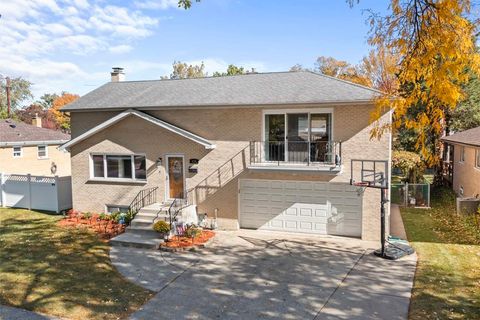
(296, 152)
(143, 198)
(214, 173)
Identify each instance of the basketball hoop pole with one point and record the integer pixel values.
(382, 222)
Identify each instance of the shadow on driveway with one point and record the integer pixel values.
(255, 275)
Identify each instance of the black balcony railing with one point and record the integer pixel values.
(296, 152)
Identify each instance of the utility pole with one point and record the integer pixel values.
(8, 96)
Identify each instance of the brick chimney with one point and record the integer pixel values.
(37, 121)
(117, 74)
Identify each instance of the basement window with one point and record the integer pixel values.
(116, 208)
(17, 152)
(118, 167)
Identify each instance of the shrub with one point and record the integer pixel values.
(192, 231)
(161, 227)
(411, 165)
(129, 217)
(87, 215)
(115, 216)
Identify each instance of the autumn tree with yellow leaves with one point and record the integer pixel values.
(435, 43)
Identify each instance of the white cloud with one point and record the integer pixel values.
(35, 33)
(156, 4)
(123, 48)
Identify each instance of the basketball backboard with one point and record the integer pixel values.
(369, 173)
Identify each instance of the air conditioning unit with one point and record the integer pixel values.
(467, 205)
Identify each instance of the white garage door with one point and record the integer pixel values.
(301, 206)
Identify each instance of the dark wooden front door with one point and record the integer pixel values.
(175, 177)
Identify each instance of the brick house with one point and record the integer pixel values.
(462, 162)
(265, 151)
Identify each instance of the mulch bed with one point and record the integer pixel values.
(180, 243)
(106, 229)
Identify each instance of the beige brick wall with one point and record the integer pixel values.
(29, 163)
(230, 129)
(465, 174)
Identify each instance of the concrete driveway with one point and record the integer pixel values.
(269, 275)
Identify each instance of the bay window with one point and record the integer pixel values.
(121, 167)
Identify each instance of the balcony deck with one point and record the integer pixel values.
(288, 166)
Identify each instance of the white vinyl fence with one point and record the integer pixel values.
(35, 192)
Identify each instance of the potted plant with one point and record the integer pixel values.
(163, 228)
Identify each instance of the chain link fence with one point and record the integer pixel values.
(411, 195)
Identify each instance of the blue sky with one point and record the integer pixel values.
(71, 45)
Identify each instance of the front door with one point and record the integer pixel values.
(175, 177)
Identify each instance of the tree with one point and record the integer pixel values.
(182, 70)
(435, 43)
(410, 164)
(298, 67)
(341, 69)
(27, 114)
(467, 114)
(62, 118)
(46, 100)
(381, 68)
(186, 4)
(19, 92)
(232, 70)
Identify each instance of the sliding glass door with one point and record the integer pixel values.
(274, 144)
(297, 137)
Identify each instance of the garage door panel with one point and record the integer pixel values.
(308, 207)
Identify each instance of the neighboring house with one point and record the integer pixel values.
(31, 149)
(269, 151)
(463, 162)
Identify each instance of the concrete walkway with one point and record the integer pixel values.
(10, 313)
(270, 275)
(397, 229)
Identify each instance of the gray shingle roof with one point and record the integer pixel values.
(470, 137)
(251, 89)
(12, 131)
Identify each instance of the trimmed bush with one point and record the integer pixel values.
(161, 227)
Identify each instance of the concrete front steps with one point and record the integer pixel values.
(140, 233)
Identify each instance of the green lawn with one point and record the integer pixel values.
(447, 281)
(62, 272)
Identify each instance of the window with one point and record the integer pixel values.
(125, 167)
(298, 136)
(477, 158)
(462, 154)
(42, 152)
(17, 152)
(116, 208)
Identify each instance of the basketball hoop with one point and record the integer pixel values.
(374, 174)
(361, 186)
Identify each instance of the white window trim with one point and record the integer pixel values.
(114, 205)
(46, 151)
(309, 111)
(110, 179)
(13, 152)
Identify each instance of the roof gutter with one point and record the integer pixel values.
(461, 143)
(30, 143)
(223, 106)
